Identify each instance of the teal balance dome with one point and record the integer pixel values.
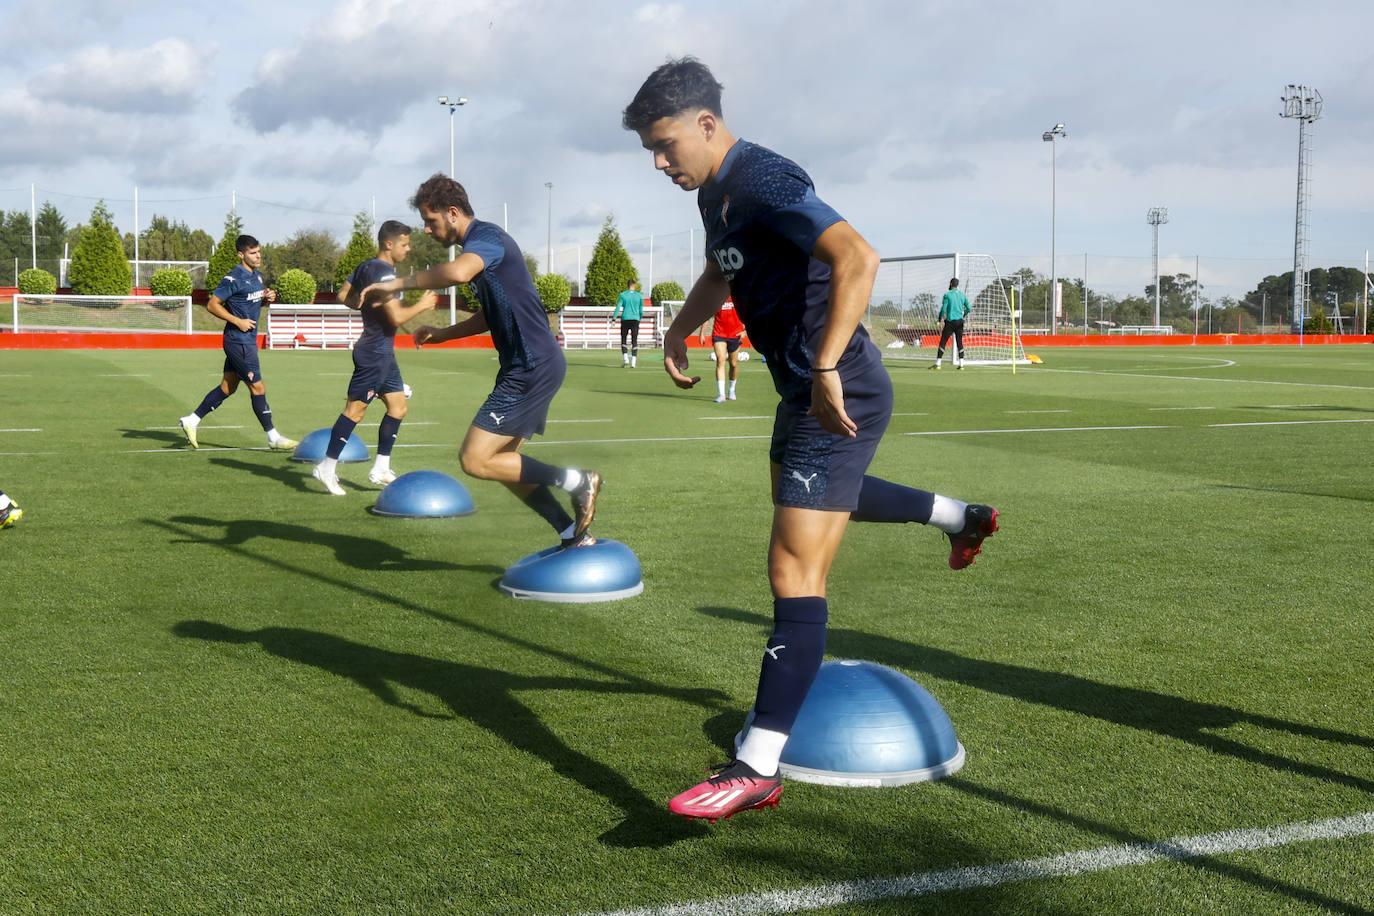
(313, 446)
(864, 724)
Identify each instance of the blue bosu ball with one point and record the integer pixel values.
(604, 571)
(313, 446)
(424, 494)
(864, 724)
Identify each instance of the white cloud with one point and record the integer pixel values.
(162, 78)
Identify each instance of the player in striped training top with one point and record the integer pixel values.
(800, 278)
(375, 371)
(237, 301)
(532, 363)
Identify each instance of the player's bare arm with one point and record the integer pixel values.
(349, 296)
(461, 270)
(477, 324)
(707, 296)
(398, 313)
(216, 307)
(853, 265)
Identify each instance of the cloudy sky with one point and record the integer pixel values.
(921, 122)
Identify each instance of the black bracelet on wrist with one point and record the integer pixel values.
(830, 369)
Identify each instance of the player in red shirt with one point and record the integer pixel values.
(726, 332)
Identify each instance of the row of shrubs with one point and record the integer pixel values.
(296, 287)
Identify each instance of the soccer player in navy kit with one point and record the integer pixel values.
(800, 277)
(237, 301)
(375, 371)
(532, 363)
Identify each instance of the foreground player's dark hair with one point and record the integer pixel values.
(439, 192)
(244, 242)
(391, 229)
(679, 85)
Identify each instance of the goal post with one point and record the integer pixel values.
(903, 310)
(114, 314)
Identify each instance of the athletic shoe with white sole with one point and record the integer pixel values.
(330, 481)
(382, 478)
(979, 522)
(722, 399)
(283, 444)
(736, 787)
(584, 501)
(190, 432)
(10, 514)
(585, 541)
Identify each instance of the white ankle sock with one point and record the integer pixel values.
(571, 480)
(762, 749)
(947, 514)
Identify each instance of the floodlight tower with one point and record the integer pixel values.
(452, 105)
(1049, 137)
(1305, 104)
(1156, 217)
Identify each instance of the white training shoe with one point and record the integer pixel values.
(731, 396)
(381, 478)
(189, 429)
(330, 481)
(721, 399)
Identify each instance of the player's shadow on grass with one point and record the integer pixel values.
(350, 550)
(294, 475)
(1186, 720)
(487, 698)
(1359, 497)
(168, 437)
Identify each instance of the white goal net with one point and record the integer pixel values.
(903, 311)
(143, 314)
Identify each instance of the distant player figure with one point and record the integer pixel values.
(953, 310)
(629, 308)
(726, 333)
(9, 511)
(532, 363)
(237, 301)
(375, 371)
(800, 278)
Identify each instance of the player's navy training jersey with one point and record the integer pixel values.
(379, 334)
(241, 293)
(519, 325)
(762, 219)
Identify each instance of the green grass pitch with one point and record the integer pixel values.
(225, 691)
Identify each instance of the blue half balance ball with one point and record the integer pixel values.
(313, 446)
(864, 724)
(604, 571)
(424, 494)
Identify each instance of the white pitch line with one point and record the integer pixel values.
(1192, 378)
(1066, 865)
(911, 414)
(1289, 422)
(1041, 429)
(123, 375)
(632, 441)
(202, 426)
(20, 430)
(1057, 410)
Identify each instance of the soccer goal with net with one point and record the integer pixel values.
(139, 314)
(903, 311)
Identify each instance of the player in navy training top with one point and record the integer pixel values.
(800, 277)
(532, 364)
(237, 301)
(375, 371)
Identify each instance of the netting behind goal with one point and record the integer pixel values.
(166, 314)
(903, 312)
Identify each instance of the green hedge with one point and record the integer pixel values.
(171, 281)
(296, 287)
(37, 282)
(668, 290)
(554, 291)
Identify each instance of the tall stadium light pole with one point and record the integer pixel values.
(1156, 217)
(452, 105)
(548, 242)
(1305, 104)
(1048, 136)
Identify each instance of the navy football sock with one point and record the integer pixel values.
(387, 432)
(263, 411)
(212, 400)
(883, 501)
(532, 471)
(790, 662)
(547, 507)
(338, 437)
